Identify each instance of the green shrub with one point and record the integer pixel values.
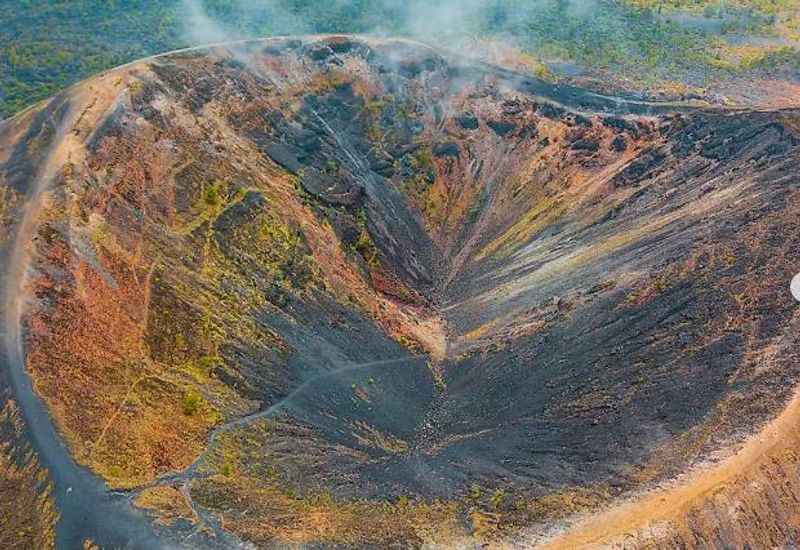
(192, 402)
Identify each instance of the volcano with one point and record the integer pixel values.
(348, 292)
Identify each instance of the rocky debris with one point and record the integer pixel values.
(414, 68)
(345, 227)
(345, 45)
(449, 149)
(621, 125)
(501, 127)
(330, 189)
(585, 144)
(619, 144)
(512, 107)
(641, 168)
(383, 166)
(405, 149)
(553, 112)
(732, 139)
(284, 155)
(468, 121)
(242, 212)
(319, 52)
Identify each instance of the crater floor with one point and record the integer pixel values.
(349, 292)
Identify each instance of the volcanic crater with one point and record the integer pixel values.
(354, 292)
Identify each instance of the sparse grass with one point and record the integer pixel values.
(418, 186)
(8, 201)
(166, 503)
(474, 493)
(278, 517)
(202, 368)
(366, 248)
(410, 343)
(285, 254)
(243, 478)
(370, 436)
(192, 401)
(485, 524)
(211, 196)
(544, 212)
(326, 82)
(562, 504)
(364, 245)
(651, 289)
(497, 499)
(213, 199)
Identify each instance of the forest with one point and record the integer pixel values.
(46, 45)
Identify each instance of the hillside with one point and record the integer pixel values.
(345, 292)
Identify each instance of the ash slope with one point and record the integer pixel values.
(347, 292)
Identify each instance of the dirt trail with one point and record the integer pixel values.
(190, 472)
(87, 510)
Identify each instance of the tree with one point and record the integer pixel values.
(13, 57)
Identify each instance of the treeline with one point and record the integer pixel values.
(46, 45)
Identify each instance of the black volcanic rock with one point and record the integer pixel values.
(468, 121)
(283, 155)
(449, 149)
(242, 212)
(328, 188)
(585, 144)
(501, 127)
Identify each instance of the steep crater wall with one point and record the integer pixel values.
(345, 291)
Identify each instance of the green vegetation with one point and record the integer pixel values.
(45, 45)
(202, 368)
(364, 246)
(424, 176)
(474, 494)
(211, 195)
(191, 403)
(649, 41)
(7, 201)
(286, 254)
(331, 167)
(497, 499)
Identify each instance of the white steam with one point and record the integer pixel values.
(200, 29)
